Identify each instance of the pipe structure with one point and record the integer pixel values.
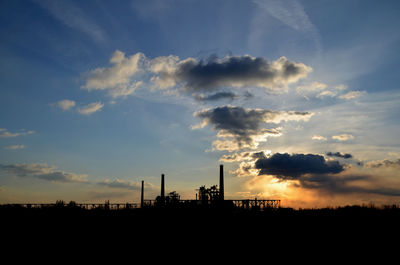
(221, 182)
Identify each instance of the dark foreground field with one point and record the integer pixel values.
(165, 219)
(203, 231)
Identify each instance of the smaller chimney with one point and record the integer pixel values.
(162, 188)
(142, 196)
(221, 182)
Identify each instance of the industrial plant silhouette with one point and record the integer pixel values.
(208, 209)
(206, 198)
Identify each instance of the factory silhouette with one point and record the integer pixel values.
(209, 211)
(212, 197)
(206, 198)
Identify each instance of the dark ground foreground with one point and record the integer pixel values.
(203, 231)
(164, 219)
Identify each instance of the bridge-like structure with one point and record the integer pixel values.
(241, 204)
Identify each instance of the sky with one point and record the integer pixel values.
(298, 99)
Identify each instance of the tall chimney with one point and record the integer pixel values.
(221, 182)
(162, 188)
(142, 195)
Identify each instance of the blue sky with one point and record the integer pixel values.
(97, 96)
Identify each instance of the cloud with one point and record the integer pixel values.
(318, 137)
(246, 169)
(340, 155)
(217, 96)
(313, 87)
(230, 71)
(237, 157)
(123, 184)
(42, 171)
(242, 128)
(290, 13)
(322, 90)
(341, 87)
(65, 104)
(327, 93)
(117, 78)
(15, 147)
(384, 163)
(4, 133)
(286, 166)
(192, 76)
(343, 137)
(302, 172)
(124, 91)
(352, 95)
(90, 108)
(346, 184)
(73, 17)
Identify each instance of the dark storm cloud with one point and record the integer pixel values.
(286, 166)
(230, 71)
(338, 154)
(245, 125)
(217, 96)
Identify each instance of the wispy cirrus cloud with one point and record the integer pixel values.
(90, 108)
(384, 164)
(124, 184)
(15, 147)
(352, 95)
(290, 13)
(74, 17)
(5, 133)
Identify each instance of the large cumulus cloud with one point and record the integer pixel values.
(192, 76)
(230, 71)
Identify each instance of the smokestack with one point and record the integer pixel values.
(142, 195)
(162, 188)
(221, 182)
